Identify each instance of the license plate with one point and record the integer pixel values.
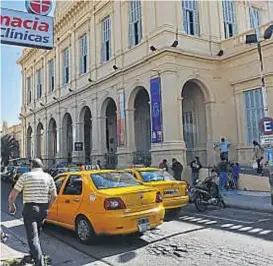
(171, 191)
(143, 225)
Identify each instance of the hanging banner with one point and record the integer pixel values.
(156, 110)
(121, 118)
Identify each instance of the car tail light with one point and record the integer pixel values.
(114, 204)
(158, 198)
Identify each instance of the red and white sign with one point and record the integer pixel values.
(26, 29)
(39, 7)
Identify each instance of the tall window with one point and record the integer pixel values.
(65, 66)
(51, 75)
(28, 86)
(190, 17)
(39, 83)
(254, 112)
(106, 39)
(254, 16)
(229, 18)
(188, 129)
(135, 26)
(83, 54)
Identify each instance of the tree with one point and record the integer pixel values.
(9, 148)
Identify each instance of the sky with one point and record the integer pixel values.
(11, 84)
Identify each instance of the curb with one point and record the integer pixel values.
(250, 208)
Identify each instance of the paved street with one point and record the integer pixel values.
(217, 237)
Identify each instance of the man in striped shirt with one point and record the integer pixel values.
(39, 192)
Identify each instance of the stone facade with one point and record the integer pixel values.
(199, 87)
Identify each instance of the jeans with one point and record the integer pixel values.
(222, 180)
(224, 155)
(259, 169)
(194, 177)
(34, 215)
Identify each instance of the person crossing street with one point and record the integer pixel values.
(39, 193)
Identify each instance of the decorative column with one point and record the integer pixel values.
(172, 132)
(125, 154)
(211, 153)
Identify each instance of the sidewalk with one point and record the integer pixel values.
(249, 200)
(16, 246)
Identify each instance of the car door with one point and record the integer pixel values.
(70, 199)
(53, 211)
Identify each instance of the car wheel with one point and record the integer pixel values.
(85, 231)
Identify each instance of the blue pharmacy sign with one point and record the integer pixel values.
(156, 110)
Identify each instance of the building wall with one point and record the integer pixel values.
(219, 81)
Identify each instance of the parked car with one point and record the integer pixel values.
(174, 192)
(105, 202)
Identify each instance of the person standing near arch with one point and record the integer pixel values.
(224, 148)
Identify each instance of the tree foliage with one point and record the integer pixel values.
(9, 148)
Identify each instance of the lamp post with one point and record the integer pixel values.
(33, 152)
(23, 120)
(58, 131)
(46, 134)
(256, 38)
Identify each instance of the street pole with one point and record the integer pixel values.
(258, 35)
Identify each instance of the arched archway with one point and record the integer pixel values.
(52, 141)
(67, 138)
(194, 120)
(39, 140)
(111, 131)
(142, 126)
(86, 131)
(29, 142)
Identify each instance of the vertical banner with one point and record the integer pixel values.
(121, 118)
(156, 110)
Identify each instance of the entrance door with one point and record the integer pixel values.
(70, 199)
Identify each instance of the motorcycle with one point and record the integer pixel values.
(206, 193)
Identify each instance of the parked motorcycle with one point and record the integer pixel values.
(206, 193)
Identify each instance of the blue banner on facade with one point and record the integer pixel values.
(156, 110)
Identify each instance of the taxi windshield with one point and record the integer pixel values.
(157, 175)
(113, 180)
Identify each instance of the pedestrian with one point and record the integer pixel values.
(39, 193)
(235, 174)
(195, 168)
(98, 165)
(69, 158)
(224, 148)
(177, 168)
(164, 165)
(223, 176)
(269, 172)
(258, 155)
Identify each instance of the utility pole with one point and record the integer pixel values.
(258, 40)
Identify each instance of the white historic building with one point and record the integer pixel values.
(132, 80)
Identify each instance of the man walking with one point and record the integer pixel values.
(39, 192)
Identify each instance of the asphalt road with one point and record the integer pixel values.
(216, 237)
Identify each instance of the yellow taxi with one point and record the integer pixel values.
(174, 192)
(105, 202)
